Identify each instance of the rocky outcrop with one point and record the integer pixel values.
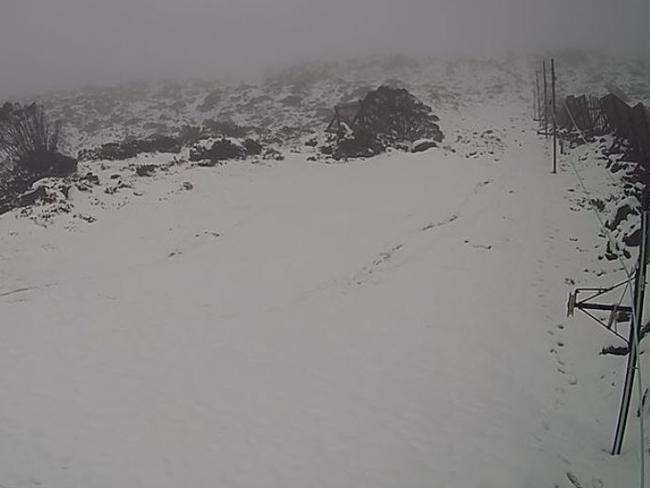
(117, 151)
(424, 145)
(15, 186)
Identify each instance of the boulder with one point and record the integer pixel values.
(423, 145)
(633, 239)
(145, 170)
(624, 210)
(30, 197)
(86, 182)
(356, 145)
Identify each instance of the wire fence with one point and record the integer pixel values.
(587, 116)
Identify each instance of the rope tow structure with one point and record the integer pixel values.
(620, 313)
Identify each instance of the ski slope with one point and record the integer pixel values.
(396, 322)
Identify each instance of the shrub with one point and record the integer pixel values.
(387, 117)
(395, 115)
(117, 151)
(221, 150)
(253, 148)
(26, 131)
(30, 142)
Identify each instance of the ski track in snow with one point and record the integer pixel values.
(384, 259)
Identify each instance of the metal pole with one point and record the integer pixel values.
(554, 122)
(537, 101)
(635, 327)
(545, 100)
(534, 108)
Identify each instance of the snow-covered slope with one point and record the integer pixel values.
(398, 321)
(295, 104)
(287, 105)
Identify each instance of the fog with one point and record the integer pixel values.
(51, 44)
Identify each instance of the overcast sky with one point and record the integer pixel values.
(63, 43)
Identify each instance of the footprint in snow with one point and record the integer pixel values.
(574, 480)
(597, 483)
(207, 234)
(384, 257)
(448, 220)
(485, 247)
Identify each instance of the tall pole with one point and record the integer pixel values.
(635, 328)
(537, 101)
(545, 100)
(534, 104)
(554, 121)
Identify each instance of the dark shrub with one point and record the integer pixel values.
(189, 134)
(395, 115)
(116, 151)
(356, 145)
(387, 117)
(47, 163)
(26, 130)
(253, 148)
(145, 170)
(226, 128)
(220, 151)
(30, 143)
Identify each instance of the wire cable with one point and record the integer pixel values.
(635, 319)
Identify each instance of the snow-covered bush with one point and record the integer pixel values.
(387, 117)
(26, 131)
(29, 142)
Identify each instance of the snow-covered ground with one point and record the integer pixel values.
(395, 322)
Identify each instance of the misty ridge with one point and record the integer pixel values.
(68, 43)
(292, 105)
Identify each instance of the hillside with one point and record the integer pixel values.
(287, 104)
(383, 322)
